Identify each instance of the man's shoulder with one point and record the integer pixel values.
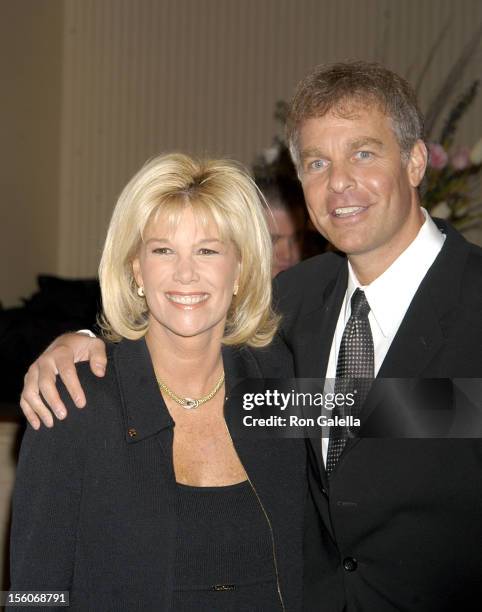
(471, 281)
(318, 270)
(474, 260)
(274, 360)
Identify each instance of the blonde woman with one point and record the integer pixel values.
(144, 500)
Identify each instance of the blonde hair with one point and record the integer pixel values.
(217, 190)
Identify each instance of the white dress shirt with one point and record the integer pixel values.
(389, 297)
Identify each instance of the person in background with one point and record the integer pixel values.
(286, 218)
(154, 504)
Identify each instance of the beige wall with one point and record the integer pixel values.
(143, 76)
(30, 56)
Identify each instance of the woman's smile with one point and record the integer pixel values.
(186, 301)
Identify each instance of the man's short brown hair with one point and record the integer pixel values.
(346, 86)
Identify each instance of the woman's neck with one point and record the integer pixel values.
(189, 366)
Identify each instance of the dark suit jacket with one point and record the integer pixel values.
(399, 524)
(94, 502)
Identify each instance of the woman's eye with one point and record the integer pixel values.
(205, 251)
(162, 251)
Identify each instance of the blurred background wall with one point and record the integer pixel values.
(30, 107)
(92, 88)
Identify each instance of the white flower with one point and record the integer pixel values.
(270, 155)
(476, 153)
(441, 210)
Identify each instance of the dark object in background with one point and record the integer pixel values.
(60, 305)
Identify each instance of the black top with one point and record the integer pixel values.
(94, 508)
(224, 558)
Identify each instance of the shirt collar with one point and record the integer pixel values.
(390, 294)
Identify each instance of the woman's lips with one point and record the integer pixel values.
(187, 301)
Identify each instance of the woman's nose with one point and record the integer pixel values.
(185, 270)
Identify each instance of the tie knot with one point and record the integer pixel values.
(359, 305)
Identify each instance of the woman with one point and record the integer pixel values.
(144, 501)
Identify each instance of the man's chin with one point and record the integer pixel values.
(351, 243)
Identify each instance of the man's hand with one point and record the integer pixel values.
(59, 358)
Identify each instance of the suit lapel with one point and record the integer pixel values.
(311, 348)
(421, 335)
(418, 340)
(315, 330)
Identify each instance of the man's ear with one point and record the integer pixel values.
(417, 163)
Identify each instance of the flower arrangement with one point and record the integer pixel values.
(452, 184)
(453, 176)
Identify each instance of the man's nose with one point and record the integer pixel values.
(340, 177)
(185, 270)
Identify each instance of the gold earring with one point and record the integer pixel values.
(140, 291)
(235, 290)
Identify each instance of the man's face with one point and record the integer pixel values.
(360, 194)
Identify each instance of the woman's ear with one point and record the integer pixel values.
(136, 270)
(417, 163)
(236, 281)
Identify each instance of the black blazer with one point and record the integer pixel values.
(93, 509)
(399, 524)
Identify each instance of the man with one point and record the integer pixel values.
(393, 524)
(285, 216)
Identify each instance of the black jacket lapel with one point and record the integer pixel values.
(421, 335)
(316, 328)
(313, 344)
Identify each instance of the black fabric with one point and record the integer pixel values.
(94, 508)
(60, 305)
(224, 557)
(398, 526)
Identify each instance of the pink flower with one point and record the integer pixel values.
(460, 158)
(438, 156)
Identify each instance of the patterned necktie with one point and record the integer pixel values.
(354, 370)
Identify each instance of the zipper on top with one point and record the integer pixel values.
(275, 562)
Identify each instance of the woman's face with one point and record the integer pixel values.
(188, 274)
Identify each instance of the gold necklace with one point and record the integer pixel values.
(188, 402)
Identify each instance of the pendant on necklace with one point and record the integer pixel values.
(190, 403)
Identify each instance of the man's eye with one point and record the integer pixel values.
(162, 251)
(363, 155)
(205, 251)
(317, 164)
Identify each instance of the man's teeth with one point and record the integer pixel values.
(349, 210)
(187, 299)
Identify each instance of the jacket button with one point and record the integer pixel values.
(350, 564)
(223, 587)
(131, 432)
